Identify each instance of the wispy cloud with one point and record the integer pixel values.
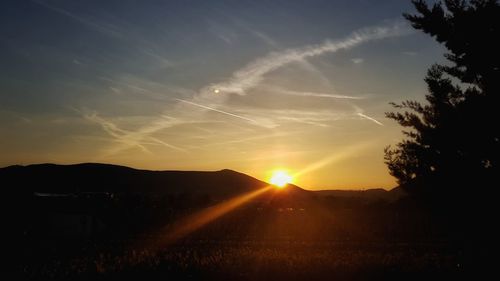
(164, 62)
(252, 74)
(111, 27)
(217, 110)
(248, 139)
(222, 31)
(370, 118)
(317, 95)
(318, 74)
(357, 60)
(139, 138)
(360, 112)
(320, 118)
(153, 90)
(239, 83)
(265, 38)
(100, 27)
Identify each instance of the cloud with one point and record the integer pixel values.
(248, 139)
(357, 60)
(265, 38)
(139, 138)
(370, 118)
(360, 113)
(320, 118)
(163, 61)
(111, 27)
(239, 83)
(317, 95)
(251, 75)
(318, 74)
(100, 27)
(153, 90)
(222, 31)
(217, 110)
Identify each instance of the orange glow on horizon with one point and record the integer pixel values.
(280, 178)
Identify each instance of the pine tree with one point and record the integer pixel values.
(453, 139)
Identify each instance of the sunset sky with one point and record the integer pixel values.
(252, 86)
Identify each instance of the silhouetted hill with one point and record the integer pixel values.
(368, 194)
(100, 178)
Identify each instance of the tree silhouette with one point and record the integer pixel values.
(452, 141)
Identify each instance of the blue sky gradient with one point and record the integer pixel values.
(188, 85)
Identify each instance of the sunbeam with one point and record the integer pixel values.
(193, 222)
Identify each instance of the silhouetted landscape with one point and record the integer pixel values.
(104, 221)
(290, 95)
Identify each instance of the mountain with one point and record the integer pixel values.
(92, 179)
(369, 194)
(91, 198)
(104, 178)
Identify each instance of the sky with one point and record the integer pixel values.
(252, 86)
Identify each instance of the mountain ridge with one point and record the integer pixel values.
(102, 177)
(51, 178)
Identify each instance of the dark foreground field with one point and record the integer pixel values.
(258, 260)
(251, 244)
(85, 225)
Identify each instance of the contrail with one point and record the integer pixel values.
(318, 95)
(115, 132)
(95, 25)
(137, 138)
(260, 137)
(370, 118)
(251, 75)
(360, 113)
(217, 110)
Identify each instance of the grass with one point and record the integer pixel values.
(256, 260)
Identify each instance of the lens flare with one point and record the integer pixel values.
(191, 223)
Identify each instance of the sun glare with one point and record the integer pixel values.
(280, 178)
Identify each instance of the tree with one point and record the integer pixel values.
(453, 139)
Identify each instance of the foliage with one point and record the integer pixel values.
(453, 138)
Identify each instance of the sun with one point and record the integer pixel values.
(280, 178)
